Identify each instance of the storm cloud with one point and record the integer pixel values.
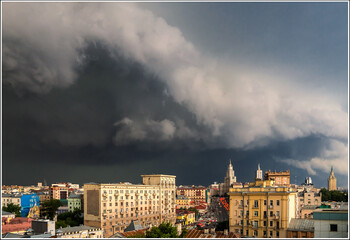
(105, 77)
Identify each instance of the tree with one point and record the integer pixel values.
(12, 208)
(164, 230)
(337, 196)
(49, 208)
(70, 218)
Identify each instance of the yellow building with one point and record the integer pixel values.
(262, 209)
(189, 217)
(113, 207)
(183, 202)
(332, 181)
(196, 194)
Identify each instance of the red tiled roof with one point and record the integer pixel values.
(133, 233)
(15, 227)
(194, 233)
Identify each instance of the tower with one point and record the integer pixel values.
(332, 181)
(258, 174)
(230, 177)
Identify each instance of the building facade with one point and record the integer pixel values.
(280, 178)
(6, 199)
(308, 199)
(332, 181)
(331, 223)
(182, 202)
(74, 202)
(28, 201)
(113, 207)
(262, 210)
(196, 194)
(79, 232)
(229, 179)
(58, 191)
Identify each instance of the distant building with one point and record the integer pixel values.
(258, 175)
(280, 178)
(16, 225)
(182, 202)
(189, 217)
(6, 199)
(210, 233)
(230, 178)
(332, 181)
(58, 191)
(43, 197)
(74, 202)
(308, 198)
(79, 232)
(113, 206)
(331, 223)
(300, 228)
(196, 194)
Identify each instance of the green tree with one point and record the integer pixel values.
(337, 196)
(164, 230)
(49, 208)
(70, 218)
(12, 208)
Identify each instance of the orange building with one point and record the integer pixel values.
(280, 178)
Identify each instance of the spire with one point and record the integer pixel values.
(332, 169)
(230, 162)
(259, 166)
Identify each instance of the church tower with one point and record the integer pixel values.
(258, 174)
(332, 181)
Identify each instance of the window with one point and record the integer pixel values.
(264, 233)
(256, 203)
(278, 213)
(256, 213)
(277, 234)
(278, 202)
(271, 202)
(255, 233)
(264, 202)
(270, 233)
(271, 213)
(247, 232)
(264, 223)
(271, 224)
(334, 227)
(265, 214)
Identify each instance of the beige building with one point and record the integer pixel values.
(113, 207)
(307, 199)
(279, 178)
(79, 232)
(10, 198)
(196, 194)
(332, 181)
(262, 209)
(183, 202)
(59, 191)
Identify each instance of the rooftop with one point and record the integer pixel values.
(301, 224)
(75, 229)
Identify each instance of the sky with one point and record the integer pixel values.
(105, 92)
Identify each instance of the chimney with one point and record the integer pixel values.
(225, 232)
(206, 231)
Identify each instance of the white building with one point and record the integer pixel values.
(79, 232)
(331, 223)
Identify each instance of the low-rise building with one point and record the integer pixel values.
(74, 202)
(42, 226)
(189, 217)
(79, 232)
(331, 223)
(17, 225)
(300, 228)
(6, 199)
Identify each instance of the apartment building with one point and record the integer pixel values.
(183, 202)
(113, 206)
(280, 178)
(262, 209)
(58, 191)
(196, 194)
(6, 199)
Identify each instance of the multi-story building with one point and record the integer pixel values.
(79, 232)
(6, 199)
(182, 202)
(280, 178)
(43, 197)
(262, 209)
(307, 199)
(59, 191)
(196, 194)
(113, 206)
(332, 181)
(74, 202)
(331, 223)
(188, 217)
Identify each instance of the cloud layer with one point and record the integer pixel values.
(240, 107)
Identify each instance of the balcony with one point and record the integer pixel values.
(104, 195)
(270, 206)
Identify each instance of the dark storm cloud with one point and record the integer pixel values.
(112, 85)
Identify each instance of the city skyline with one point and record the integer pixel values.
(106, 92)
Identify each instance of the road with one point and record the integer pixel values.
(219, 213)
